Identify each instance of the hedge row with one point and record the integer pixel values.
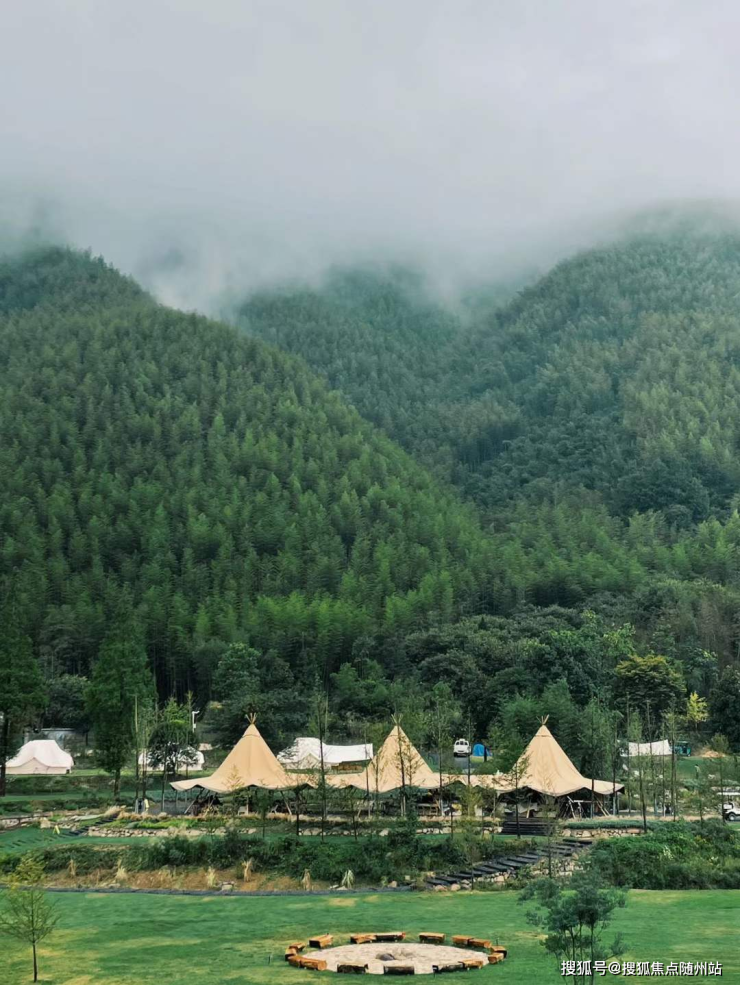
(372, 859)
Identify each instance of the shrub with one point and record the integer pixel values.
(83, 858)
(677, 855)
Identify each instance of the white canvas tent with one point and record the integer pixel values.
(305, 754)
(661, 747)
(251, 763)
(40, 756)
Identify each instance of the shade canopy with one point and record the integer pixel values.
(251, 763)
(397, 764)
(40, 756)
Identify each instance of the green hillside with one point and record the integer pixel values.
(617, 372)
(213, 476)
(223, 488)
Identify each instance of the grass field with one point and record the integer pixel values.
(117, 940)
(26, 839)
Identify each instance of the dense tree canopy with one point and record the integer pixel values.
(530, 493)
(213, 477)
(591, 419)
(617, 373)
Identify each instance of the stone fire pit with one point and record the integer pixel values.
(378, 956)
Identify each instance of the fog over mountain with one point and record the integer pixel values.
(208, 148)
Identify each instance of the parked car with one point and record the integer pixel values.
(462, 747)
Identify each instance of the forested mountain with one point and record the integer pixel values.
(210, 477)
(591, 419)
(617, 372)
(163, 464)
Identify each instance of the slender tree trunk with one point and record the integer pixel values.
(367, 776)
(629, 764)
(593, 764)
(137, 736)
(652, 758)
(117, 784)
(439, 757)
(643, 800)
(322, 725)
(4, 754)
(297, 814)
(674, 777)
(403, 776)
(35, 963)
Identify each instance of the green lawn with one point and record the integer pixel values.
(117, 940)
(25, 839)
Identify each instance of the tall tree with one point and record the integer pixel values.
(649, 681)
(120, 680)
(22, 689)
(444, 714)
(172, 740)
(723, 705)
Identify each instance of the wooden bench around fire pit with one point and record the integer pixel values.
(470, 963)
(362, 938)
(480, 942)
(399, 969)
(321, 940)
(390, 935)
(432, 938)
(315, 964)
(349, 968)
(439, 969)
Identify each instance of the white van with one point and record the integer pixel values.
(462, 748)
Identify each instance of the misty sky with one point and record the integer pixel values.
(206, 145)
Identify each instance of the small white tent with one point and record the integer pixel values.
(305, 754)
(40, 756)
(660, 747)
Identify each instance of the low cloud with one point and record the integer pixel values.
(211, 148)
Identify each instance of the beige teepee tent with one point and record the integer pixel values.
(397, 764)
(547, 770)
(251, 763)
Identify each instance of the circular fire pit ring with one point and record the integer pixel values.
(381, 955)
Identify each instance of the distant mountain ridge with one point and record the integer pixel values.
(590, 378)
